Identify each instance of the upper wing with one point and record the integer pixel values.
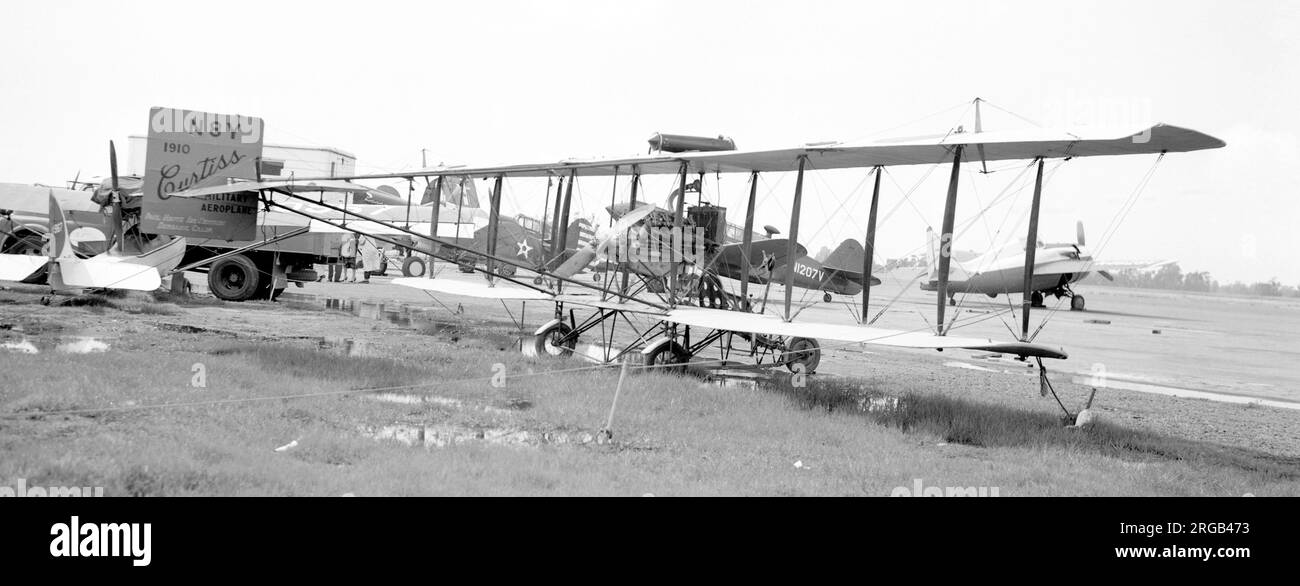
(925, 150)
(771, 325)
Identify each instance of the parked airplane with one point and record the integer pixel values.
(113, 269)
(127, 260)
(1002, 271)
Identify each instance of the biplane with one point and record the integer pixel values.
(129, 259)
(679, 295)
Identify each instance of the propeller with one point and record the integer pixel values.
(584, 257)
(1078, 230)
(119, 233)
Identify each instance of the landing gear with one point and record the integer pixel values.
(414, 266)
(1076, 303)
(670, 357)
(952, 300)
(805, 352)
(556, 341)
(1036, 299)
(826, 297)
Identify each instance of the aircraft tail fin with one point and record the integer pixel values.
(60, 242)
(846, 258)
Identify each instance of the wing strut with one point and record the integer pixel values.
(494, 226)
(561, 232)
(945, 237)
(794, 234)
(1031, 247)
(679, 217)
(433, 226)
(636, 180)
(555, 218)
(748, 241)
(869, 259)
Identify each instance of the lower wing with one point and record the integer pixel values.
(774, 326)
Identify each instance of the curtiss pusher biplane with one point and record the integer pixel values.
(666, 266)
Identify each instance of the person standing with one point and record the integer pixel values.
(369, 257)
(336, 260)
(349, 253)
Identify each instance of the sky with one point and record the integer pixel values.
(490, 82)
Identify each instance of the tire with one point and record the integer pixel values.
(544, 343)
(1077, 303)
(670, 358)
(1036, 299)
(805, 351)
(235, 278)
(414, 266)
(506, 270)
(826, 297)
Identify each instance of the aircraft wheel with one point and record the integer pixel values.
(826, 297)
(235, 278)
(538, 280)
(596, 277)
(1076, 303)
(1036, 299)
(506, 270)
(670, 358)
(413, 266)
(805, 351)
(552, 342)
(952, 301)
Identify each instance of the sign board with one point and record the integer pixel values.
(187, 150)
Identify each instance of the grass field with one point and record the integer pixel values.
(417, 413)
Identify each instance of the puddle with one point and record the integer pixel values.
(511, 407)
(347, 346)
(77, 345)
(22, 347)
(82, 346)
(878, 404)
(442, 436)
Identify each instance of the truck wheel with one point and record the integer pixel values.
(235, 278)
(413, 266)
